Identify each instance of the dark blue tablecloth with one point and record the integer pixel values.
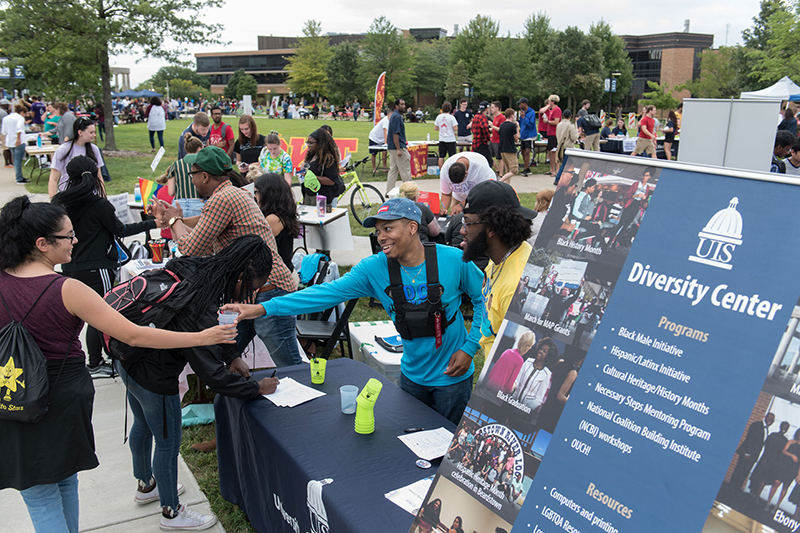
(275, 461)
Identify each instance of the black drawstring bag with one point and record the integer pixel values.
(24, 387)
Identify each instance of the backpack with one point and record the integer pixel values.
(152, 298)
(23, 370)
(593, 121)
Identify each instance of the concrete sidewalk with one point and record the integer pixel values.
(106, 493)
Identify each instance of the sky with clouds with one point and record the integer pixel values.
(243, 23)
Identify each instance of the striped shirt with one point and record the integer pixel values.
(181, 171)
(229, 213)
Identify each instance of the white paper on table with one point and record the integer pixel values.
(411, 496)
(428, 445)
(291, 393)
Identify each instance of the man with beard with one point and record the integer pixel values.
(496, 225)
(436, 368)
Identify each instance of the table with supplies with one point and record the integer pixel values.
(41, 156)
(306, 469)
(328, 232)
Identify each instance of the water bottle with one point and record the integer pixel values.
(429, 137)
(137, 194)
(38, 141)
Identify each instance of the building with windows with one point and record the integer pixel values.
(267, 64)
(665, 58)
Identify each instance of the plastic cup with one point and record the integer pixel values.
(321, 202)
(157, 249)
(349, 394)
(226, 317)
(318, 370)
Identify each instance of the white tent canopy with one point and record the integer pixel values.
(784, 89)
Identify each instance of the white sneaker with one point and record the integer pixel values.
(187, 520)
(148, 497)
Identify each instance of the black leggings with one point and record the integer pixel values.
(100, 281)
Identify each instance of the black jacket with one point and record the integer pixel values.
(158, 371)
(95, 223)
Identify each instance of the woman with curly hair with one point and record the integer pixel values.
(322, 160)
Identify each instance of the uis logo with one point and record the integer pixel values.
(719, 238)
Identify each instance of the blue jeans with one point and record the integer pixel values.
(54, 508)
(19, 156)
(191, 206)
(447, 400)
(160, 138)
(151, 413)
(279, 333)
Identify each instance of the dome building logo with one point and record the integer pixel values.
(719, 238)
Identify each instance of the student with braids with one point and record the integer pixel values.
(48, 455)
(94, 255)
(322, 158)
(232, 275)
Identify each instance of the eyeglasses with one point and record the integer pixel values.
(196, 171)
(467, 223)
(70, 237)
(311, 141)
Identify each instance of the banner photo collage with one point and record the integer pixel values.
(626, 390)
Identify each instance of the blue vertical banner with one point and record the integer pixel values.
(644, 373)
(677, 363)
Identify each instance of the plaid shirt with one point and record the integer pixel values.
(230, 213)
(480, 131)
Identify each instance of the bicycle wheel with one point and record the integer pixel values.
(364, 202)
(297, 192)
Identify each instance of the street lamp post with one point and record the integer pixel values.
(613, 74)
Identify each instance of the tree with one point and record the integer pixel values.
(232, 87)
(430, 70)
(536, 35)
(181, 89)
(660, 96)
(342, 73)
(164, 75)
(779, 56)
(456, 78)
(470, 44)
(87, 33)
(747, 58)
(503, 72)
(247, 85)
(384, 49)
(615, 59)
(718, 75)
(573, 68)
(307, 73)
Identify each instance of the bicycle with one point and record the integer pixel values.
(365, 199)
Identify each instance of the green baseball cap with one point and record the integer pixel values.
(213, 160)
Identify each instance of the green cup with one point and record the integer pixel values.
(318, 370)
(365, 414)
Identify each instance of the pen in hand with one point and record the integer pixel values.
(274, 373)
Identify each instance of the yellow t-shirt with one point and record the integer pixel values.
(503, 286)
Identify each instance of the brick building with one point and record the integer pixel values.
(665, 58)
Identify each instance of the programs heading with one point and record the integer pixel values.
(688, 287)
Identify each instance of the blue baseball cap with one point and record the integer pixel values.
(395, 209)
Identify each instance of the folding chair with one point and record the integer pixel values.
(329, 332)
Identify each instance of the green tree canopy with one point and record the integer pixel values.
(307, 68)
(70, 44)
(174, 72)
(180, 89)
(247, 85)
(660, 96)
(573, 68)
(456, 78)
(536, 34)
(430, 70)
(231, 90)
(502, 74)
(470, 44)
(780, 55)
(718, 75)
(615, 58)
(342, 73)
(386, 49)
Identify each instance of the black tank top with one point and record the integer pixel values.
(284, 243)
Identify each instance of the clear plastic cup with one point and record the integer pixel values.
(349, 394)
(226, 317)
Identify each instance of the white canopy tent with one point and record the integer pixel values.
(784, 89)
